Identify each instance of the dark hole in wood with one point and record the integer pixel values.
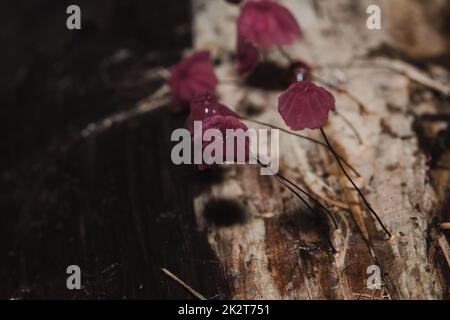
(224, 212)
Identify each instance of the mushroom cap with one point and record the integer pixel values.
(222, 123)
(305, 105)
(267, 24)
(204, 106)
(192, 76)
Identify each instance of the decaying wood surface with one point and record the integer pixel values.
(114, 203)
(276, 250)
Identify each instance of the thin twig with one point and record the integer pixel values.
(361, 293)
(445, 226)
(413, 74)
(382, 297)
(155, 100)
(374, 294)
(351, 126)
(342, 90)
(187, 287)
(443, 243)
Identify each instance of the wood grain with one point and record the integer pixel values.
(285, 255)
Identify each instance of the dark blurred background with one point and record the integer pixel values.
(100, 206)
(54, 80)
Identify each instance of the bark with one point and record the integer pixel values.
(279, 251)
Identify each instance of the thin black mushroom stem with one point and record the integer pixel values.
(283, 182)
(354, 185)
(292, 186)
(339, 114)
(302, 137)
(315, 200)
